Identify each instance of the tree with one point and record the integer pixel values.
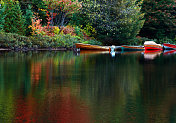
(160, 19)
(28, 20)
(116, 21)
(2, 16)
(60, 9)
(14, 21)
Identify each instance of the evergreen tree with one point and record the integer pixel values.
(14, 20)
(160, 19)
(2, 16)
(116, 21)
(28, 20)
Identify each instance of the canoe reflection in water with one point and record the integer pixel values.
(169, 52)
(151, 54)
(131, 52)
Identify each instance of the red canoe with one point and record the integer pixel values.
(151, 45)
(168, 46)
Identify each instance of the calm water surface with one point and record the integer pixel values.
(91, 87)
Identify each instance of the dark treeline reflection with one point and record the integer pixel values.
(87, 88)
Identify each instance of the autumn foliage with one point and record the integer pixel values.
(60, 9)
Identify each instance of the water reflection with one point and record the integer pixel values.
(169, 52)
(152, 54)
(92, 87)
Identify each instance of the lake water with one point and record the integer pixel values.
(88, 87)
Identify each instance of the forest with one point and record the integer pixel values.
(61, 23)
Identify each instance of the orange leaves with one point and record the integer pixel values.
(36, 26)
(38, 29)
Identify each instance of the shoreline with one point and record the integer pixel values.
(39, 49)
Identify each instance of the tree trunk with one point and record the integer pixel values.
(63, 19)
(52, 21)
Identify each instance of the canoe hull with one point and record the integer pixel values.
(168, 46)
(91, 47)
(153, 47)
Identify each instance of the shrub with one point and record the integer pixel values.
(90, 30)
(78, 31)
(68, 30)
(93, 42)
(56, 30)
(165, 40)
(13, 41)
(38, 29)
(139, 40)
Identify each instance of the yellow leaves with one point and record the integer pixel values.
(44, 10)
(56, 30)
(2, 2)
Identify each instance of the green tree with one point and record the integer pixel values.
(160, 19)
(28, 20)
(14, 20)
(116, 22)
(2, 16)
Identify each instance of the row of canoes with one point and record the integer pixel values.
(148, 45)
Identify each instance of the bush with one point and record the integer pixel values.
(140, 40)
(93, 42)
(16, 41)
(166, 40)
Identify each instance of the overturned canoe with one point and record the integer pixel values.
(168, 46)
(151, 45)
(91, 47)
(132, 48)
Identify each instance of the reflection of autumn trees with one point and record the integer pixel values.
(35, 73)
(59, 86)
(58, 105)
(32, 80)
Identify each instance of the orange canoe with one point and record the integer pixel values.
(91, 47)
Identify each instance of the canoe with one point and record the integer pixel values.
(151, 45)
(91, 47)
(168, 46)
(132, 48)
